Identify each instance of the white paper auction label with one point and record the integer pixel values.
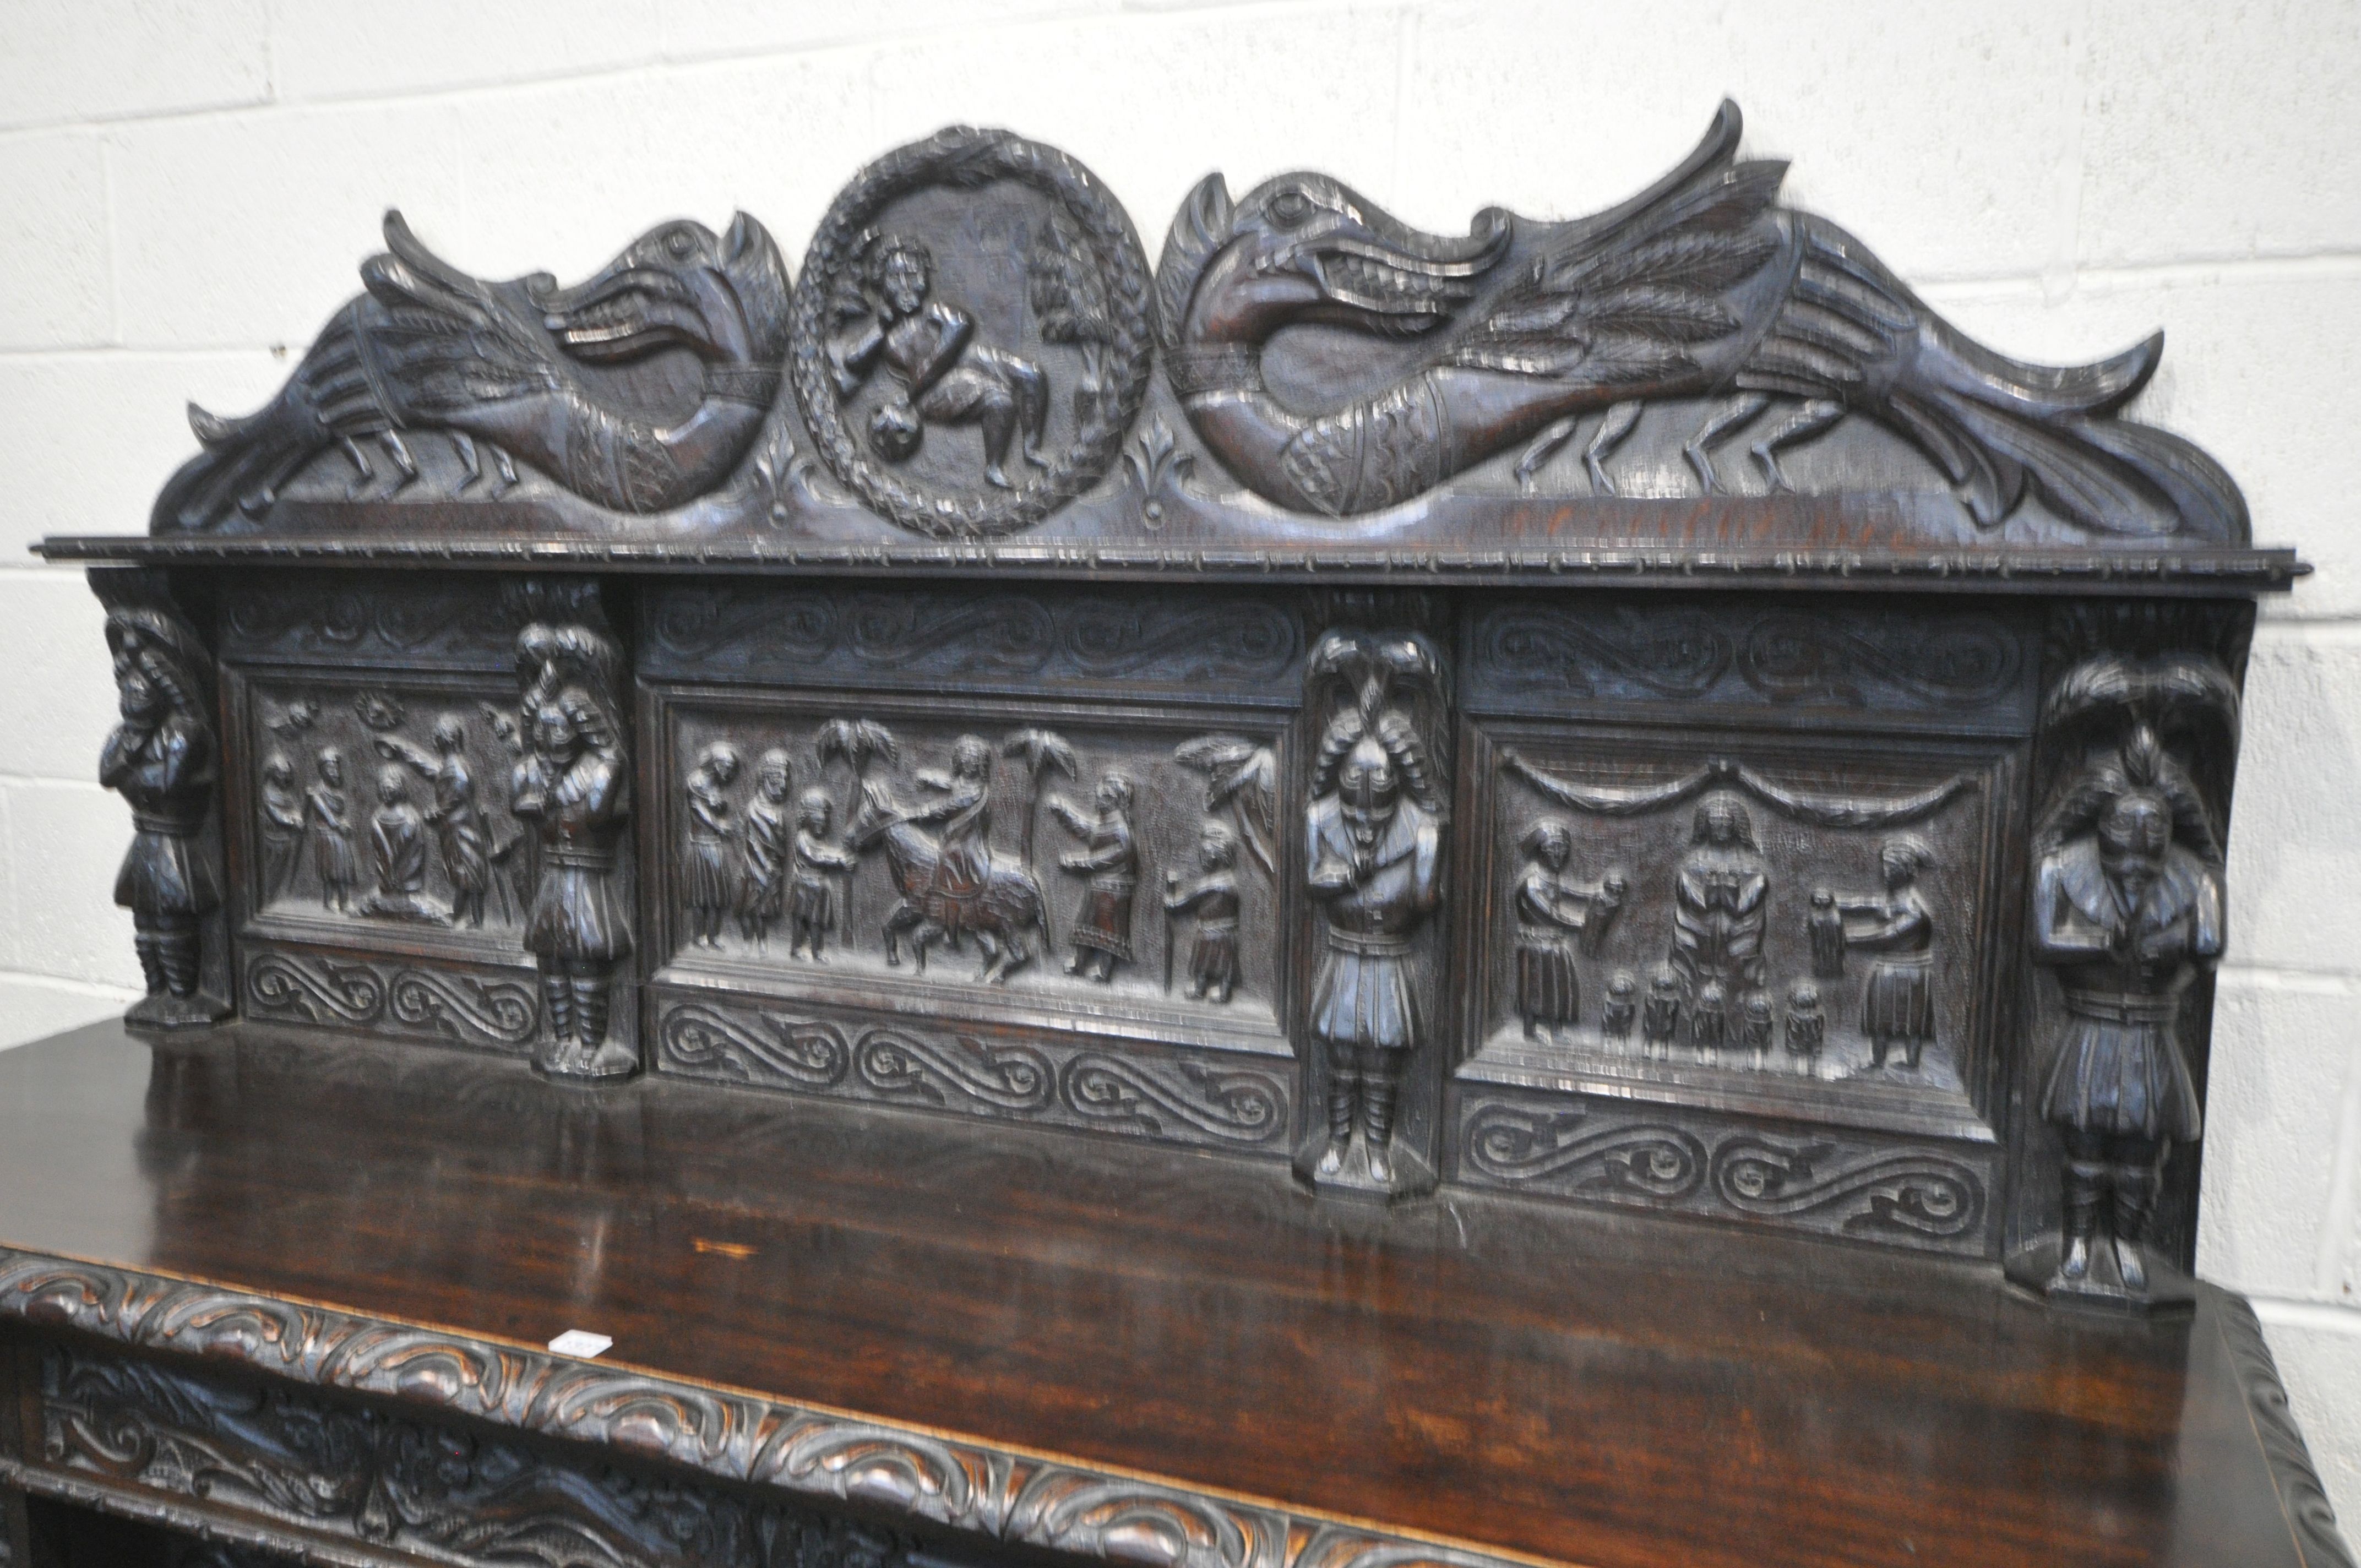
(582, 1342)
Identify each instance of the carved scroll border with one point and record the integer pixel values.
(1206, 1100)
(2312, 1520)
(1890, 1190)
(1005, 1494)
(489, 1008)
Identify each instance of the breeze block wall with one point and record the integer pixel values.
(186, 187)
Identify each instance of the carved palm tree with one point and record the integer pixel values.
(1039, 751)
(856, 743)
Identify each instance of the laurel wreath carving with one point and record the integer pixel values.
(963, 158)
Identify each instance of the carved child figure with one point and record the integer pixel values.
(811, 906)
(1755, 1025)
(398, 849)
(282, 823)
(1623, 1007)
(1660, 1016)
(1708, 1020)
(706, 874)
(1806, 1026)
(1826, 926)
(332, 841)
(1102, 931)
(1213, 898)
(762, 879)
(1548, 906)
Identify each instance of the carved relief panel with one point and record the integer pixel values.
(383, 877)
(1777, 924)
(890, 878)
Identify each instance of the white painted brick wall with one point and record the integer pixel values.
(186, 185)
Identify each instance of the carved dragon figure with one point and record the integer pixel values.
(429, 347)
(1699, 287)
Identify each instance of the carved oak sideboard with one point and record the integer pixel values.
(1595, 726)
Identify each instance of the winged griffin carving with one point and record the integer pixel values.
(514, 367)
(1697, 288)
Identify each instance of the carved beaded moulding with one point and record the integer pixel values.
(1637, 711)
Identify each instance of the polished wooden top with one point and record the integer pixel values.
(1583, 1388)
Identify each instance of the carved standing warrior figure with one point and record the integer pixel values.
(1699, 287)
(1373, 839)
(458, 826)
(928, 345)
(573, 786)
(427, 347)
(2128, 907)
(1721, 901)
(162, 760)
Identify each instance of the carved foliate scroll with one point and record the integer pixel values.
(164, 759)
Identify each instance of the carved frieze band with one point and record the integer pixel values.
(473, 1007)
(1968, 666)
(2310, 1514)
(720, 632)
(1890, 1190)
(449, 623)
(1000, 1493)
(1037, 1079)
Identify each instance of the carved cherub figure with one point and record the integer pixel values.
(811, 905)
(762, 878)
(332, 837)
(1213, 899)
(705, 892)
(1102, 931)
(927, 346)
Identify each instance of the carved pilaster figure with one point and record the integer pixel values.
(1374, 848)
(163, 758)
(573, 786)
(2127, 911)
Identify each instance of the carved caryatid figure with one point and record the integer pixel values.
(397, 849)
(1699, 287)
(1721, 901)
(162, 760)
(573, 786)
(705, 892)
(429, 348)
(2127, 905)
(458, 827)
(1374, 845)
(1110, 859)
(1897, 1009)
(332, 832)
(926, 345)
(1549, 996)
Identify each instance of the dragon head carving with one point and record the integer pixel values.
(679, 285)
(1306, 248)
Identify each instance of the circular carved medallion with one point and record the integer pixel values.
(972, 333)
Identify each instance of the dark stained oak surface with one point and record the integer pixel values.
(1594, 1390)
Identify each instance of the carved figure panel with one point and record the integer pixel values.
(1110, 867)
(1784, 909)
(377, 803)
